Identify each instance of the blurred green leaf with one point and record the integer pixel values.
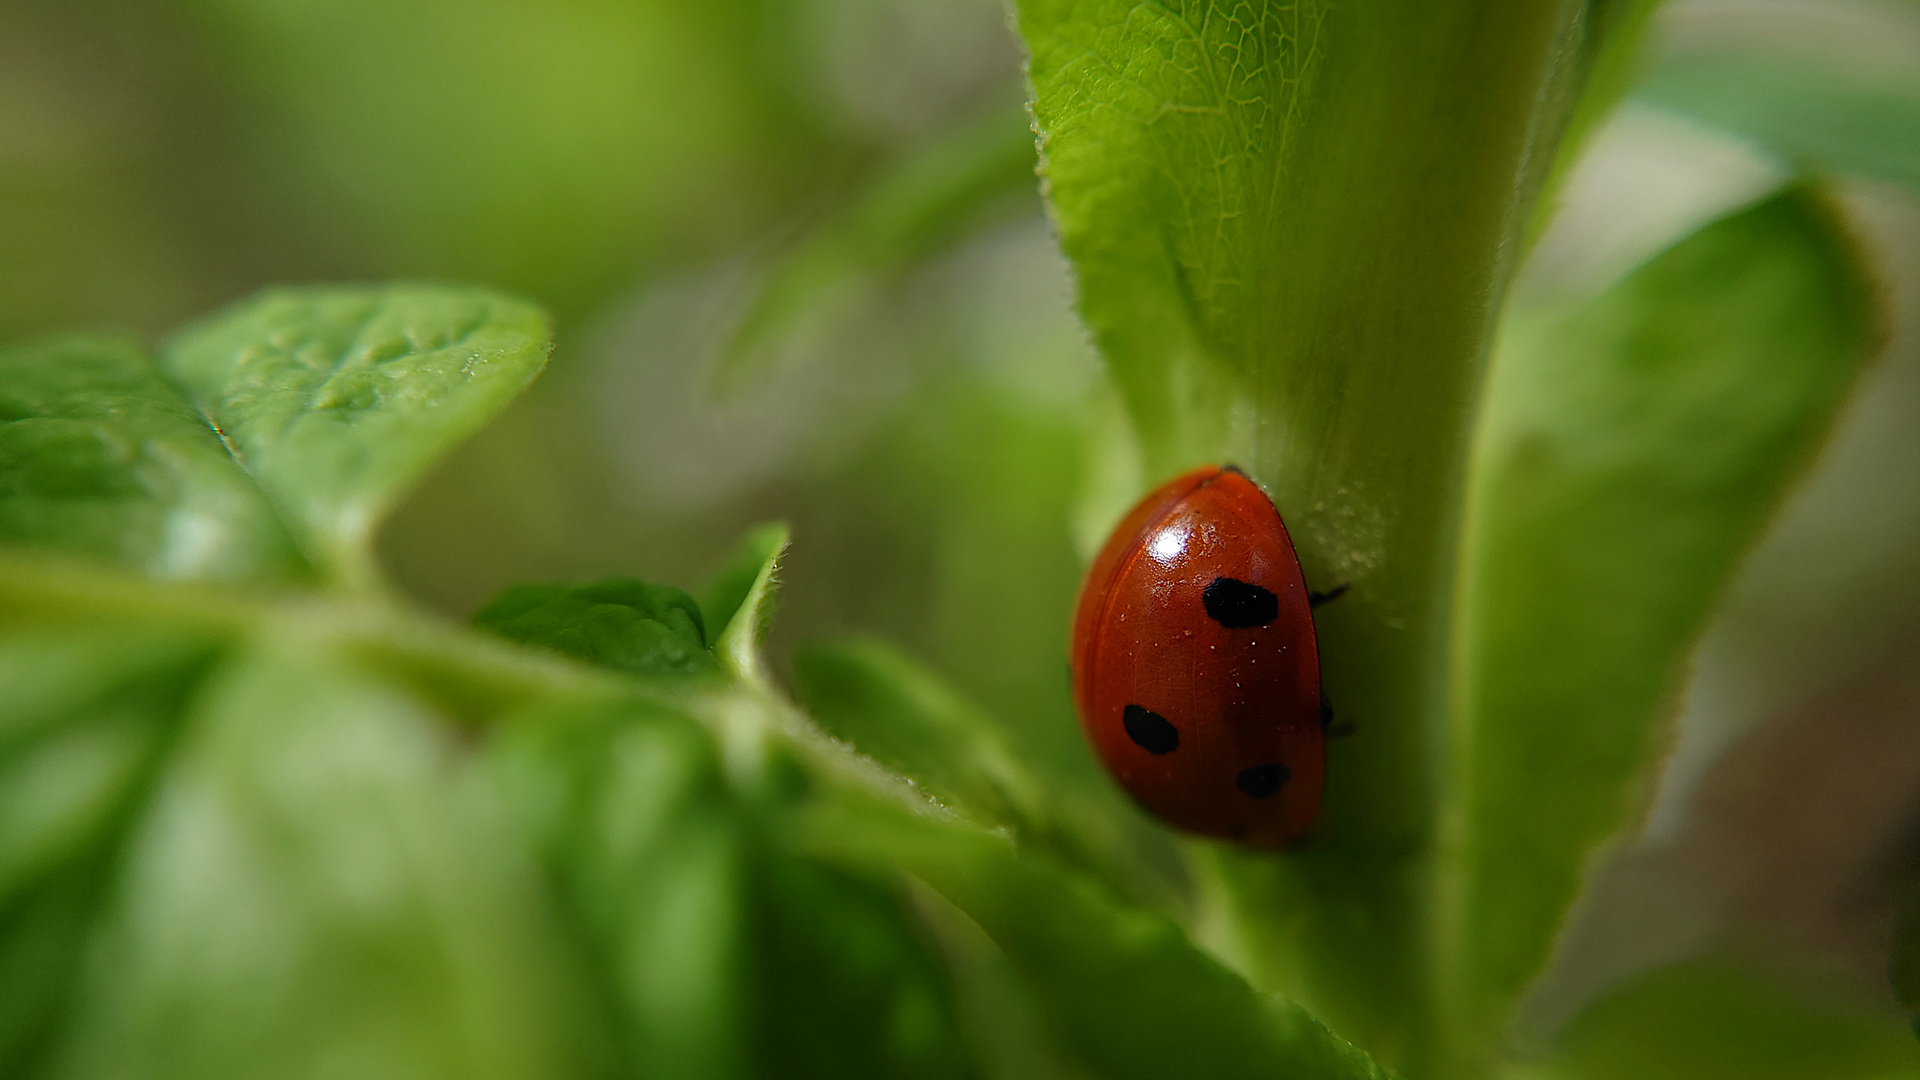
(1632, 452)
(337, 399)
(872, 695)
(1291, 227)
(1715, 1018)
(313, 891)
(997, 1009)
(1123, 988)
(100, 456)
(1822, 116)
(620, 623)
(85, 714)
(85, 709)
(847, 986)
(926, 201)
(717, 951)
(628, 808)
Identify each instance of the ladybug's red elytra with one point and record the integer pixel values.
(1195, 668)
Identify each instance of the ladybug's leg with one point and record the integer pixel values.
(1333, 731)
(1315, 599)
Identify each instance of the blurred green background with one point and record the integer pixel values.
(800, 270)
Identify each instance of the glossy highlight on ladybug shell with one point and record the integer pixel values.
(1195, 668)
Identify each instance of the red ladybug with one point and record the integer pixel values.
(1194, 663)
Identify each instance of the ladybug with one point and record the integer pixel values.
(1195, 669)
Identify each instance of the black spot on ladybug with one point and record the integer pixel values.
(1237, 605)
(1262, 781)
(1150, 730)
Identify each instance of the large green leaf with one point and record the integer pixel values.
(846, 984)
(100, 456)
(628, 808)
(1291, 225)
(86, 711)
(313, 891)
(718, 953)
(1632, 452)
(336, 399)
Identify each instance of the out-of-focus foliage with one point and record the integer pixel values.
(1632, 449)
(1847, 103)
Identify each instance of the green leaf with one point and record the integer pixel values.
(1822, 116)
(873, 696)
(99, 456)
(336, 399)
(85, 712)
(1715, 1017)
(1123, 988)
(848, 987)
(628, 808)
(621, 623)
(1632, 452)
(740, 615)
(718, 953)
(996, 1007)
(313, 890)
(1291, 227)
(84, 708)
